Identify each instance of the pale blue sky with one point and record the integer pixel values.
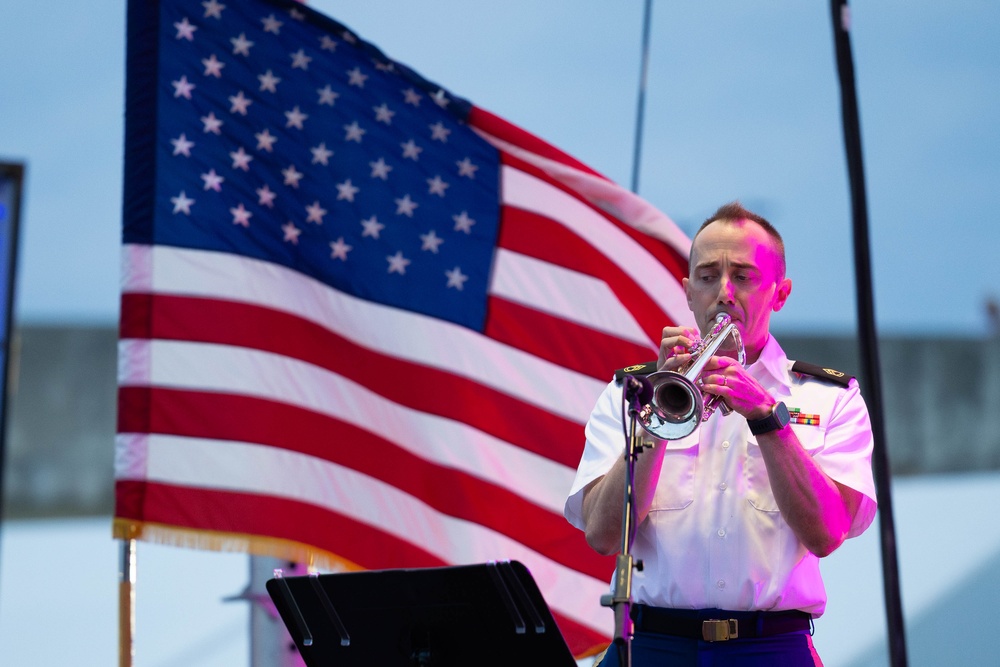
(742, 103)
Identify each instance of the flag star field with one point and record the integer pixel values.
(270, 150)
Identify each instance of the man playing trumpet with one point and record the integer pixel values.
(731, 520)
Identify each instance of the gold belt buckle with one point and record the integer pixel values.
(714, 630)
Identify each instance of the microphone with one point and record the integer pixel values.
(639, 389)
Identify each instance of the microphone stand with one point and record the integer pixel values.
(636, 392)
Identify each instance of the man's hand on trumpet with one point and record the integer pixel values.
(675, 346)
(725, 377)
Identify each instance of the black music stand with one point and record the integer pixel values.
(490, 614)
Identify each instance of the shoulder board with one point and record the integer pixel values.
(828, 374)
(637, 369)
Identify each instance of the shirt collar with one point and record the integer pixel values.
(771, 366)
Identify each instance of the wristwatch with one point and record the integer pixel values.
(778, 418)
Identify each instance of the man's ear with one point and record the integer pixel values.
(781, 294)
(686, 284)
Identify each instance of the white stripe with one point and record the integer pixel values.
(276, 472)
(450, 443)
(131, 455)
(604, 194)
(427, 340)
(530, 193)
(568, 294)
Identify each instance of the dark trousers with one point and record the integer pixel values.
(793, 649)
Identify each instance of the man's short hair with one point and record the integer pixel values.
(734, 212)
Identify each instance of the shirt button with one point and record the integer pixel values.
(723, 486)
(725, 444)
(720, 583)
(722, 532)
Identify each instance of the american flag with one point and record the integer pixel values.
(363, 322)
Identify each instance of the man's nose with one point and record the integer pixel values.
(726, 291)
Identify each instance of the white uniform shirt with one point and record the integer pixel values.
(714, 537)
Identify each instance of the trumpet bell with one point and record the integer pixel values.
(676, 407)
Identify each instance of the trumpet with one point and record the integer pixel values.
(678, 406)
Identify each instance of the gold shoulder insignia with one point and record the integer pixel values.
(635, 369)
(828, 374)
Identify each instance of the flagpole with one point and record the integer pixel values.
(641, 105)
(13, 174)
(126, 604)
(866, 328)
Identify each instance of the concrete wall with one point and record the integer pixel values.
(941, 400)
(61, 422)
(941, 397)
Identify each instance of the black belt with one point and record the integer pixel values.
(717, 624)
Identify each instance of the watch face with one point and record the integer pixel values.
(777, 419)
(781, 412)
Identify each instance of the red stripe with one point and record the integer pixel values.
(537, 236)
(582, 641)
(501, 129)
(268, 516)
(416, 386)
(265, 516)
(571, 345)
(136, 315)
(449, 491)
(134, 411)
(666, 254)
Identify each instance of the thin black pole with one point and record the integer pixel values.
(866, 327)
(640, 112)
(13, 175)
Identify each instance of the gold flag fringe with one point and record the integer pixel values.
(210, 540)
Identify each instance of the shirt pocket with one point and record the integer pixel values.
(758, 484)
(675, 488)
